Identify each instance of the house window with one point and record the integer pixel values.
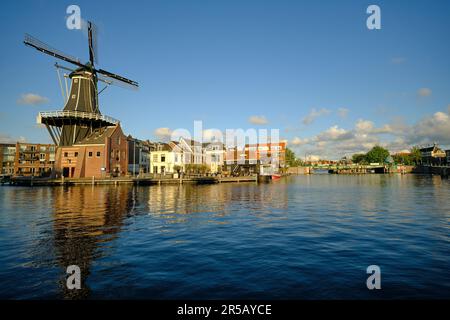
(42, 156)
(66, 154)
(76, 154)
(155, 158)
(98, 153)
(163, 158)
(90, 154)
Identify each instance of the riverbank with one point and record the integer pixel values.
(32, 181)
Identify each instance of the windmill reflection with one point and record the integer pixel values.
(86, 218)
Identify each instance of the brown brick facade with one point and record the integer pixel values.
(103, 155)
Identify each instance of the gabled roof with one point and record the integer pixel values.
(98, 136)
(210, 145)
(162, 146)
(192, 142)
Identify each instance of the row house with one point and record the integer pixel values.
(166, 158)
(273, 154)
(176, 156)
(192, 150)
(214, 156)
(139, 156)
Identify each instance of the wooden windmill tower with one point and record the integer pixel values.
(81, 114)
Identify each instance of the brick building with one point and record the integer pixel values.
(33, 159)
(103, 153)
(253, 157)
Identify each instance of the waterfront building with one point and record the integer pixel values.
(138, 156)
(447, 153)
(253, 157)
(432, 155)
(7, 158)
(34, 159)
(103, 153)
(214, 156)
(192, 150)
(166, 158)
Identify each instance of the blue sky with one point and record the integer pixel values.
(311, 68)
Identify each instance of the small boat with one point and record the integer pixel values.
(276, 176)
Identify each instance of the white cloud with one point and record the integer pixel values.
(364, 125)
(334, 133)
(6, 138)
(435, 128)
(424, 92)
(299, 141)
(314, 114)
(336, 142)
(32, 99)
(163, 133)
(343, 112)
(259, 120)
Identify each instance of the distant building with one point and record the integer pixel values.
(103, 153)
(166, 158)
(138, 156)
(214, 156)
(252, 157)
(34, 159)
(7, 158)
(432, 155)
(192, 150)
(447, 153)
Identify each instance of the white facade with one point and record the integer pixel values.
(192, 151)
(214, 156)
(166, 158)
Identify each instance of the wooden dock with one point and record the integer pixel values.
(31, 181)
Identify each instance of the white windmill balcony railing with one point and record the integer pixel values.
(75, 114)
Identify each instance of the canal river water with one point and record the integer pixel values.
(304, 237)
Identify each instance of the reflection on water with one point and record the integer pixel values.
(83, 218)
(302, 237)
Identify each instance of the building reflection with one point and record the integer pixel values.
(177, 202)
(85, 218)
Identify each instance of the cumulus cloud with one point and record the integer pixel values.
(424, 92)
(314, 114)
(343, 112)
(258, 120)
(336, 142)
(163, 133)
(334, 133)
(32, 99)
(434, 128)
(297, 141)
(6, 138)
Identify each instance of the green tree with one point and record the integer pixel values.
(415, 155)
(359, 158)
(377, 154)
(291, 159)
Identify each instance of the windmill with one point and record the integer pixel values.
(81, 114)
